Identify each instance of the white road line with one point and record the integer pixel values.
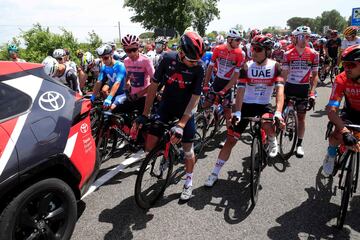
(112, 173)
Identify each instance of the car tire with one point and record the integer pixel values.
(47, 209)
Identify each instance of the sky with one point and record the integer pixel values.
(83, 16)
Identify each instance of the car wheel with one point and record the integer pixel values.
(45, 210)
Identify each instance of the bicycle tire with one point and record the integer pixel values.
(255, 169)
(200, 135)
(347, 189)
(106, 139)
(291, 134)
(156, 155)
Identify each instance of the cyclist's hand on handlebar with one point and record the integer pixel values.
(176, 134)
(222, 92)
(279, 120)
(349, 139)
(311, 101)
(236, 117)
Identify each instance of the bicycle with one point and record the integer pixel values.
(347, 161)
(156, 168)
(258, 156)
(288, 136)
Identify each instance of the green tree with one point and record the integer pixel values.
(294, 22)
(333, 19)
(94, 40)
(174, 14)
(146, 35)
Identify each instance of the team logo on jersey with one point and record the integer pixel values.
(111, 78)
(51, 101)
(84, 128)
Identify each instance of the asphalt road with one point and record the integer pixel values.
(295, 201)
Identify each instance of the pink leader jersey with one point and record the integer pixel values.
(139, 72)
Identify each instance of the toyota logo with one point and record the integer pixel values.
(51, 101)
(84, 128)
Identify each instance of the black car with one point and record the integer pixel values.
(48, 157)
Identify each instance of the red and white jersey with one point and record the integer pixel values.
(227, 61)
(344, 87)
(259, 81)
(300, 66)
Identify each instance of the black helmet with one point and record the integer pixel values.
(104, 50)
(192, 45)
(351, 54)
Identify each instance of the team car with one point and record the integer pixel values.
(48, 157)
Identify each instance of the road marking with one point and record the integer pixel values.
(112, 173)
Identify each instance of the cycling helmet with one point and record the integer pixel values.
(130, 40)
(67, 51)
(277, 46)
(79, 53)
(334, 33)
(104, 50)
(12, 48)
(233, 33)
(220, 39)
(351, 30)
(161, 40)
(283, 42)
(189, 29)
(254, 32)
(269, 35)
(322, 41)
(111, 44)
(262, 41)
(50, 66)
(302, 30)
(351, 53)
(86, 60)
(58, 53)
(192, 45)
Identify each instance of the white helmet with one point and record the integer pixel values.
(233, 33)
(59, 53)
(277, 46)
(50, 66)
(220, 39)
(86, 60)
(189, 29)
(302, 30)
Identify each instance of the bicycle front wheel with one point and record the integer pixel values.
(255, 168)
(288, 136)
(200, 135)
(346, 187)
(153, 177)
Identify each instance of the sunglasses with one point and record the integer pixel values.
(105, 58)
(129, 50)
(59, 59)
(349, 65)
(257, 49)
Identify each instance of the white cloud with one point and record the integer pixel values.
(82, 16)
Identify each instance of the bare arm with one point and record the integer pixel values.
(189, 111)
(151, 93)
(208, 74)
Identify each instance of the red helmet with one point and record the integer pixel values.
(130, 40)
(254, 32)
(192, 45)
(262, 41)
(283, 42)
(351, 54)
(269, 35)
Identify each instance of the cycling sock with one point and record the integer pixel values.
(188, 181)
(299, 142)
(218, 166)
(332, 151)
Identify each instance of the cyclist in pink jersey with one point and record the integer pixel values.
(139, 71)
(300, 67)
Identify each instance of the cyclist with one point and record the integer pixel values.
(255, 87)
(300, 68)
(139, 70)
(67, 59)
(332, 47)
(228, 58)
(150, 53)
(219, 39)
(252, 34)
(350, 37)
(115, 55)
(90, 66)
(160, 49)
(115, 73)
(347, 85)
(61, 72)
(208, 54)
(278, 53)
(13, 53)
(182, 75)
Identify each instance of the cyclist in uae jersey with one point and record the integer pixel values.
(255, 87)
(115, 73)
(300, 65)
(182, 74)
(229, 59)
(347, 85)
(139, 70)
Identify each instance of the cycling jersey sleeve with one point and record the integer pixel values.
(315, 63)
(160, 71)
(72, 80)
(285, 63)
(214, 56)
(120, 72)
(243, 79)
(239, 61)
(337, 93)
(198, 81)
(149, 68)
(101, 74)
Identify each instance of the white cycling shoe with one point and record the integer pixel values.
(211, 180)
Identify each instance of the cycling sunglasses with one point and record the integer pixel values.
(104, 58)
(349, 65)
(236, 39)
(129, 50)
(257, 49)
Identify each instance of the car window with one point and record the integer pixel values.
(12, 102)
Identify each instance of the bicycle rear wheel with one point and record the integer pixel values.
(153, 177)
(288, 136)
(200, 135)
(346, 187)
(255, 168)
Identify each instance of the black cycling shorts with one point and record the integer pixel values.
(298, 91)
